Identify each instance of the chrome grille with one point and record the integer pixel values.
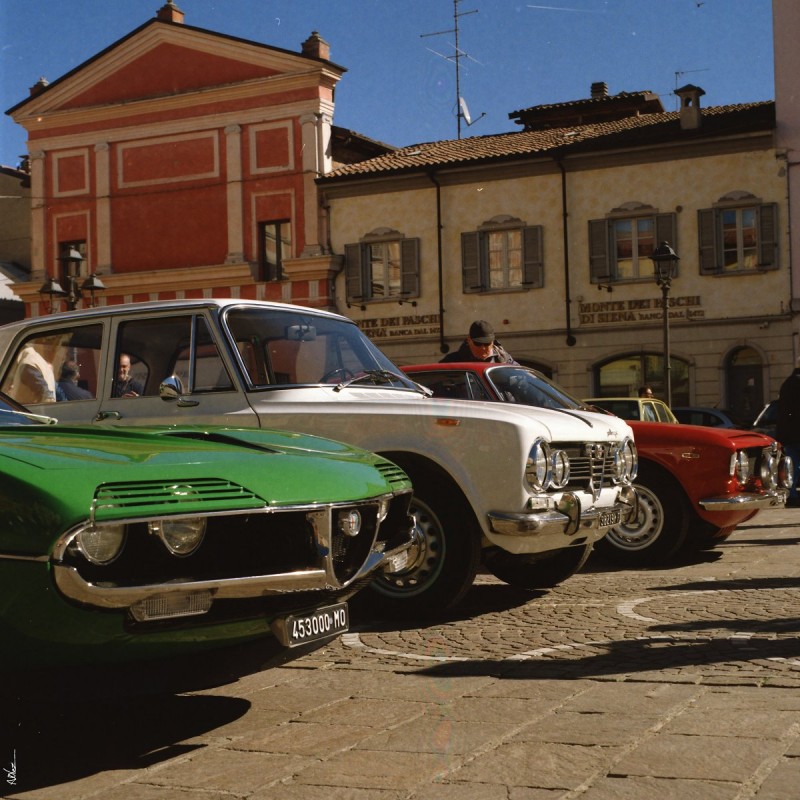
(591, 464)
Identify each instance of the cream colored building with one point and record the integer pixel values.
(547, 233)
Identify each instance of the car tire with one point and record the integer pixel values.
(443, 560)
(532, 571)
(660, 527)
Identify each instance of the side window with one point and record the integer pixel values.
(504, 253)
(384, 265)
(150, 350)
(56, 366)
(476, 388)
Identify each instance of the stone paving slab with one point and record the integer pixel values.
(678, 682)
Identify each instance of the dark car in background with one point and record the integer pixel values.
(710, 417)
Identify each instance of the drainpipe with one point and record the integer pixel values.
(571, 340)
(443, 346)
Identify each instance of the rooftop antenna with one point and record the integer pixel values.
(461, 105)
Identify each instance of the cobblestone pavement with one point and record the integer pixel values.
(617, 685)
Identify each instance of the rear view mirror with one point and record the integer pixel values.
(300, 333)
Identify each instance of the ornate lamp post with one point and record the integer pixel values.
(74, 293)
(665, 261)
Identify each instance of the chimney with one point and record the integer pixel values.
(170, 13)
(38, 87)
(316, 47)
(599, 89)
(690, 116)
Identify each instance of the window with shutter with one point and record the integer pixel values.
(384, 265)
(621, 245)
(502, 254)
(739, 234)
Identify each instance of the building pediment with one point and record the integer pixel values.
(166, 60)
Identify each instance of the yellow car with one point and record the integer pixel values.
(645, 409)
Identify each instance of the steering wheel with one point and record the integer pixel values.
(339, 373)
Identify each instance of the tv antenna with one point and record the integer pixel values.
(461, 104)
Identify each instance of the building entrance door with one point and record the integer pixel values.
(745, 390)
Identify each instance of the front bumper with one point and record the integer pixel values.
(745, 502)
(565, 525)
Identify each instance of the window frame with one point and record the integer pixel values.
(476, 268)
(274, 271)
(358, 267)
(603, 258)
(710, 232)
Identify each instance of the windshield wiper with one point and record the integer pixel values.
(374, 376)
(43, 418)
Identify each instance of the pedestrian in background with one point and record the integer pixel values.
(480, 345)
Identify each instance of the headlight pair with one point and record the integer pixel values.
(547, 467)
(102, 544)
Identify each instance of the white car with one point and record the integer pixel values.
(527, 491)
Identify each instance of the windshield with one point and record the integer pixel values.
(526, 386)
(291, 348)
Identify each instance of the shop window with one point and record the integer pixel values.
(738, 234)
(623, 375)
(621, 245)
(502, 254)
(384, 265)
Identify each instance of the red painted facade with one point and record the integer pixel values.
(162, 158)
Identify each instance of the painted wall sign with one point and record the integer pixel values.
(647, 310)
(400, 326)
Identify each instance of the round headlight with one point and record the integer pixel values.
(559, 461)
(740, 466)
(538, 470)
(180, 536)
(101, 544)
(768, 471)
(786, 472)
(350, 522)
(626, 462)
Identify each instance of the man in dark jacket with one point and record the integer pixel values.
(480, 345)
(788, 428)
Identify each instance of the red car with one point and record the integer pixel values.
(695, 484)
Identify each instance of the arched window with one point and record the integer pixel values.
(621, 376)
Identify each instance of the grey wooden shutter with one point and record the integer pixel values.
(471, 262)
(409, 267)
(599, 263)
(353, 272)
(768, 236)
(707, 234)
(532, 257)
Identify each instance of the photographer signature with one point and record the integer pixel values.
(11, 772)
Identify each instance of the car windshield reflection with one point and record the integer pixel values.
(521, 385)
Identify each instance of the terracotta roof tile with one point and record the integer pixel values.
(597, 136)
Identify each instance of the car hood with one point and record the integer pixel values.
(667, 433)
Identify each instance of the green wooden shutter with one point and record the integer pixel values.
(532, 257)
(471, 262)
(353, 272)
(768, 236)
(599, 262)
(709, 252)
(409, 267)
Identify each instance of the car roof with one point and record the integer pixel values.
(155, 305)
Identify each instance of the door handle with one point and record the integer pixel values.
(101, 415)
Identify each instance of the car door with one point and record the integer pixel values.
(183, 350)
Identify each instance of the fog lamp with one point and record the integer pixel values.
(350, 522)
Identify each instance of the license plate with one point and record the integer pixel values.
(609, 518)
(321, 623)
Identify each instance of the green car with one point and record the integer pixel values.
(123, 544)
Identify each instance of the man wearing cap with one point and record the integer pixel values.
(480, 345)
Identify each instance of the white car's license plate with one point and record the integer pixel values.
(608, 518)
(321, 623)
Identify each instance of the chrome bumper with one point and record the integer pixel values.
(745, 502)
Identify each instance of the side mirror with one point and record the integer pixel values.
(170, 388)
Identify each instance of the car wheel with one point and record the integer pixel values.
(443, 559)
(533, 571)
(659, 529)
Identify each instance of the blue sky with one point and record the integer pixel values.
(400, 85)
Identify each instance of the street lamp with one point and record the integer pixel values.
(665, 261)
(52, 288)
